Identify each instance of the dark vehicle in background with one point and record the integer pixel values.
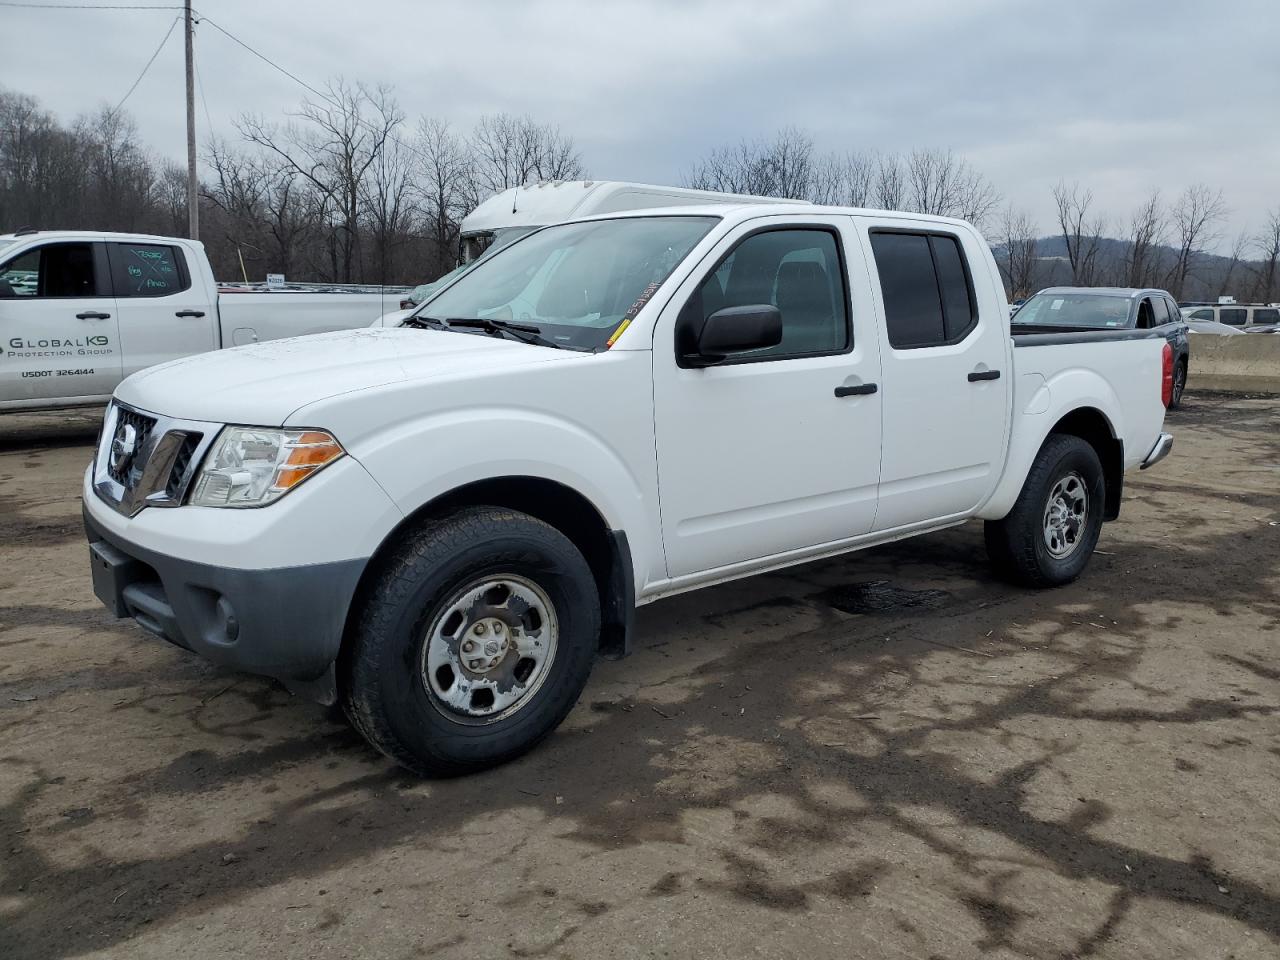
(1075, 309)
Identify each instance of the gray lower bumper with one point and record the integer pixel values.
(285, 623)
(1161, 450)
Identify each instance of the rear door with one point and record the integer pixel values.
(165, 312)
(777, 450)
(58, 323)
(945, 352)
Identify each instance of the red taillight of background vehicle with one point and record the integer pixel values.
(1166, 376)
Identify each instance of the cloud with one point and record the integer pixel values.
(1122, 97)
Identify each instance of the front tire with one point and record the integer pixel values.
(1048, 537)
(474, 644)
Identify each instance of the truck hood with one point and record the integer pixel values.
(263, 383)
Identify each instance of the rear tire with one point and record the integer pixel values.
(1048, 537)
(475, 642)
(1179, 385)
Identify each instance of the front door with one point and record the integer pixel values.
(165, 313)
(946, 370)
(58, 324)
(775, 451)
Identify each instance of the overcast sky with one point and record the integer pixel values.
(1122, 95)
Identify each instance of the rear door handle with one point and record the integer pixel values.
(984, 375)
(93, 315)
(189, 313)
(860, 390)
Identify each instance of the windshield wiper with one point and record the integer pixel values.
(425, 323)
(524, 332)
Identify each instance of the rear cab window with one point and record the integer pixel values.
(926, 287)
(147, 269)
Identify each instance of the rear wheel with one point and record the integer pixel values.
(1047, 538)
(1179, 384)
(475, 643)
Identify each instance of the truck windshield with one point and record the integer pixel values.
(1074, 310)
(575, 283)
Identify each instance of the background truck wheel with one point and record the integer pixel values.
(1049, 535)
(1179, 384)
(475, 642)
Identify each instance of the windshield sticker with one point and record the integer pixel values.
(632, 310)
(1056, 305)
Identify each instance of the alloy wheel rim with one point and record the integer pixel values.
(1066, 512)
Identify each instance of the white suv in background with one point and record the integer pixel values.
(1246, 316)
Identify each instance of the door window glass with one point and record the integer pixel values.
(928, 298)
(1159, 311)
(146, 270)
(797, 271)
(54, 271)
(1234, 317)
(1266, 316)
(1201, 315)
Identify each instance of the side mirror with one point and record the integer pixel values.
(737, 330)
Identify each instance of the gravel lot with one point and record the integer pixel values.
(885, 755)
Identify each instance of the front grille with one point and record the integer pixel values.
(177, 482)
(148, 460)
(127, 473)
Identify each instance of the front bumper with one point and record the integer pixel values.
(1163, 447)
(285, 622)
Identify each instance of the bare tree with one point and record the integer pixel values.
(1017, 252)
(940, 183)
(444, 189)
(1268, 245)
(889, 191)
(1195, 217)
(1146, 233)
(508, 151)
(333, 144)
(1234, 259)
(783, 166)
(1081, 235)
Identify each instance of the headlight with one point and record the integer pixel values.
(253, 466)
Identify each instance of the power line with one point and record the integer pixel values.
(86, 6)
(326, 97)
(167, 35)
(267, 60)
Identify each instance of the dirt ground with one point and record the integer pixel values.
(886, 755)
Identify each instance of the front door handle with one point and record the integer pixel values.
(93, 315)
(861, 390)
(984, 375)
(189, 313)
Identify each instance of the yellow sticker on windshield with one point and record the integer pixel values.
(617, 333)
(632, 310)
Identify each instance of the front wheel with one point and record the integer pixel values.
(474, 644)
(1047, 538)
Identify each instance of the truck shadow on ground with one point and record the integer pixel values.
(638, 768)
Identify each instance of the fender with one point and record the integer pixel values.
(1039, 404)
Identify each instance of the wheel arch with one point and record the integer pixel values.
(607, 551)
(1093, 426)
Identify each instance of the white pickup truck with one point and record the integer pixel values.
(80, 311)
(440, 525)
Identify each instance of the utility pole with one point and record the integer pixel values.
(193, 204)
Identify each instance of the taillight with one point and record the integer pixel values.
(1166, 376)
